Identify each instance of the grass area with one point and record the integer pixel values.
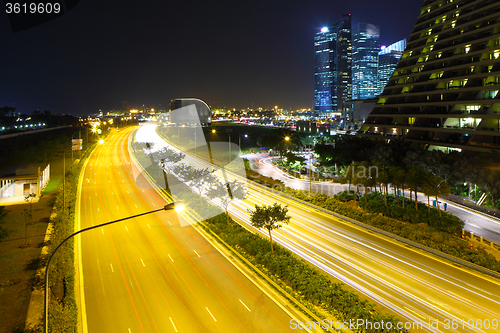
(18, 264)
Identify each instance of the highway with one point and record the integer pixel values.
(416, 286)
(150, 274)
(478, 223)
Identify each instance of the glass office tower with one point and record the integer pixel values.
(388, 59)
(325, 73)
(365, 56)
(344, 62)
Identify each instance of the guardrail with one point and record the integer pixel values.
(480, 239)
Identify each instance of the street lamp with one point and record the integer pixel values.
(169, 206)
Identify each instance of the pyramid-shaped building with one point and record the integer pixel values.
(445, 90)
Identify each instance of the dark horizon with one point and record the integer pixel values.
(102, 53)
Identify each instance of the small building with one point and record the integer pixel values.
(18, 181)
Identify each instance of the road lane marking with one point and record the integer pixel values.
(244, 305)
(136, 206)
(112, 270)
(415, 313)
(129, 331)
(126, 228)
(102, 230)
(153, 204)
(211, 314)
(117, 208)
(170, 257)
(175, 328)
(143, 263)
(97, 208)
(128, 192)
(197, 253)
(168, 222)
(148, 226)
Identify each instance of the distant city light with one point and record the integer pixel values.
(383, 47)
(325, 29)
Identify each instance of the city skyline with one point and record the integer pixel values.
(98, 55)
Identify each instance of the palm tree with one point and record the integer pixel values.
(414, 178)
(399, 177)
(436, 187)
(270, 218)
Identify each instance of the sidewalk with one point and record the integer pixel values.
(478, 223)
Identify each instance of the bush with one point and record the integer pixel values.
(306, 282)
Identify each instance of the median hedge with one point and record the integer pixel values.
(306, 282)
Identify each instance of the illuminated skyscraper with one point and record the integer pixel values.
(332, 47)
(344, 62)
(365, 55)
(325, 74)
(445, 90)
(388, 59)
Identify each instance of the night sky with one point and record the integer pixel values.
(238, 54)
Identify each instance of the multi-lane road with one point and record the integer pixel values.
(415, 285)
(150, 274)
(478, 223)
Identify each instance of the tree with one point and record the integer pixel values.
(414, 178)
(28, 215)
(168, 158)
(226, 193)
(398, 178)
(489, 180)
(4, 233)
(436, 187)
(196, 178)
(269, 218)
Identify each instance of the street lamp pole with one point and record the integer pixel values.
(79, 136)
(169, 206)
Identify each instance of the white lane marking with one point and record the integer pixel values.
(415, 313)
(244, 305)
(112, 193)
(136, 206)
(142, 191)
(175, 328)
(126, 228)
(102, 230)
(129, 331)
(112, 268)
(197, 253)
(170, 258)
(143, 263)
(117, 208)
(149, 226)
(97, 208)
(211, 314)
(153, 204)
(128, 192)
(168, 222)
